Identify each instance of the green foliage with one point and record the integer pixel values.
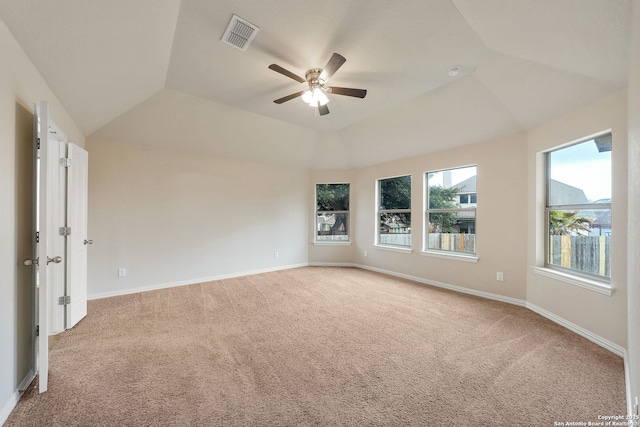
(442, 198)
(332, 197)
(395, 193)
(566, 223)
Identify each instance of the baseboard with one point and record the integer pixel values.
(15, 397)
(461, 289)
(156, 287)
(612, 347)
(332, 264)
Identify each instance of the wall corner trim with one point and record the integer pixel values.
(8, 407)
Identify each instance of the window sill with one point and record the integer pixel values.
(592, 285)
(454, 257)
(332, 243)
(394, 249)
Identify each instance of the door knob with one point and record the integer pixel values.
(29, 262)
(88, 242)
(55, 260)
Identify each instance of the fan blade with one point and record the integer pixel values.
(357, 93)
(288, 97)
(332, 66)
(279, 69)
(323, 109)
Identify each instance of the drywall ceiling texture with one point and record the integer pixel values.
(522, 63)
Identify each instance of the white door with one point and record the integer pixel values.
(77, 198)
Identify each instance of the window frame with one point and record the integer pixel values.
(379, 212)
(445, 253)
(317, 241)
(548, 207)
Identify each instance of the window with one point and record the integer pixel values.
(394, 211)
(450, 215)
(332, 212)
(578, 211)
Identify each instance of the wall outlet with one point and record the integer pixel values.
(276, 254)
(122, 272)
(366, 253)
(500, 276)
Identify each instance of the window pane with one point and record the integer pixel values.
(395, 229)
(444, 187)
(581, 173)
(332, 197)
(395, 193)
(452, 231)
(581, 240)
(332, 226)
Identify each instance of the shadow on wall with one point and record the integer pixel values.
(24, 246)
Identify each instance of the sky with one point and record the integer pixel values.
(582, 166)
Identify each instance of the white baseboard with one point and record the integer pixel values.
(156, 287)
(15, 397)
(332, 264)
(461, 289)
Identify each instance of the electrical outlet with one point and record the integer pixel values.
(122, 272)
(276, 254)
(500, 276)
(366, 253)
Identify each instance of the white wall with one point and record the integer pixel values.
(600, 314)
(20, 86)
(634, 209)
(172, 218)
(501, 218)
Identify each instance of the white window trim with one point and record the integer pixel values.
(391, 248)
(454, 256)
(582, 282)
(426, 251)
(315, 219)
(332, 243)
(401, 249)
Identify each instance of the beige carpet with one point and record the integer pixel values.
(320, 346)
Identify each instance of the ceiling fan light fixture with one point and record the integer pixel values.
(315, 97)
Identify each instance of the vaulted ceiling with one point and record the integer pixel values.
(156, 72)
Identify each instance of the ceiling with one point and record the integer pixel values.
(156, 72)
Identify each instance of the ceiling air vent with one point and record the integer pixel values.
(239, 33)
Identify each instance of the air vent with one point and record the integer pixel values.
(239, 33)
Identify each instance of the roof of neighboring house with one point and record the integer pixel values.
(565, 194)
(467, 186)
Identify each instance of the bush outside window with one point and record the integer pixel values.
(450, 217)
(578, 211)
(394, 211)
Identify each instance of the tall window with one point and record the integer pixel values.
(579, 207)
(451, 210)
(394, 211)
(332, 212)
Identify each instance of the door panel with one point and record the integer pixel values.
(40, 278)
(56, 218)
(77, 242)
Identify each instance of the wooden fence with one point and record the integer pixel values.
(583, 253)
(462, 242)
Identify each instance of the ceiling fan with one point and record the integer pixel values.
(316, 80)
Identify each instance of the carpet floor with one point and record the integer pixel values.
(320, 346)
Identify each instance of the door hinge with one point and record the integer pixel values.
(37, 330)
(65, 162)
(66, 300)
(65, 231)
(38, 144)
(37, 237)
